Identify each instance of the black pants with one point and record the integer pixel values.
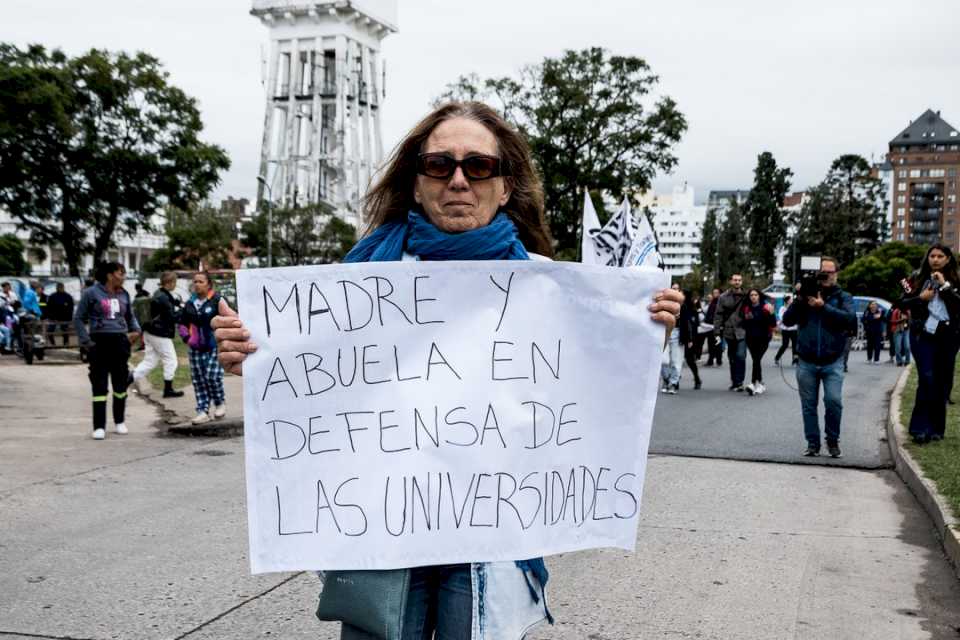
(690, 355)
(788, 339)
(714, 350)
(54, 327)
(757, 347)
(108, 367)
(874, 346)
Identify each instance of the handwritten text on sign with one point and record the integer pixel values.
(414, 413)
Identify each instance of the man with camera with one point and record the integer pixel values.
(824, 315)
(728, 325)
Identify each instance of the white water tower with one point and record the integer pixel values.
(324, 83)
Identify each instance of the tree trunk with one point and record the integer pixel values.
(103, 235)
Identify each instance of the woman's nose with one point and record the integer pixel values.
(458, 181)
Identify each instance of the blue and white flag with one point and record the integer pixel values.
(591, 227)
(609, 245)
(643, 252)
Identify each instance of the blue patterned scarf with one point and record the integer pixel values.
(496, 241)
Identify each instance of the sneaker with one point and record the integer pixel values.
(758, 388)
(738, 388)
(172, 393)
(834, 450)
(665, 389)
(201, 418)
(697, 384)
(750, 389)
(776, 362)
(219, 410)
(99, 434)
(120, 428)
(811, 452)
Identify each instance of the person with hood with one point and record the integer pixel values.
(758, 324)
(728, 324)
(158, 336)
(932, 298)
(205, 370)
(824, 321)
(689, 322)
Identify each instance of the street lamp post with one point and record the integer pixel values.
(262, 180)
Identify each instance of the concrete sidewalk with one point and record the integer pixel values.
(144, 536)
(178, 412)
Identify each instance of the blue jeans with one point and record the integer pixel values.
(737, 358)
(901, 346)
(6, 337)
(439, 605)
(809, 377)
(670, 372)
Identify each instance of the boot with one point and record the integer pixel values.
(169, 391)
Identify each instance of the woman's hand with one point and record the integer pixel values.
(666, 308)
(927, 294)
(938, 278)
(233, 340)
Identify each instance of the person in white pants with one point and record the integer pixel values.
(158, 336)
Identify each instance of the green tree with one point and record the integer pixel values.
(879, 272)
(201, 234)
(591, 121)
(94, 145)
(312, 234)
(763, 218)
(844, 216)
(733, 247)
(12, 262)
(710, 244)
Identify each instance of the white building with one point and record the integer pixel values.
(678, 224)
(324, 85)
(132, 251)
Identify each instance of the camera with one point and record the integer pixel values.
(811, 280)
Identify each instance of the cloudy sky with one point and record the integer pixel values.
(805, 79)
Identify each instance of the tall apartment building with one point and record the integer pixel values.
(925, 158)
(678, 224)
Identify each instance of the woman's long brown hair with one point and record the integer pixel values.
(391, 197)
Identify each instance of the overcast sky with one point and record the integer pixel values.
(805, 79)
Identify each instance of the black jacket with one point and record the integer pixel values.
(822, 333)
(164, 314)
(687, 323)
(919, 311)
(60, 307)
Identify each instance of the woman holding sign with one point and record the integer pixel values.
(460, 186)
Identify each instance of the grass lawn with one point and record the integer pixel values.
(182, 377)
(940, 461)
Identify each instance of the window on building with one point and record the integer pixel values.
(937, 173)
(901, 211)
(902, 173)
(901, 224)
(901, 186)
(914, 173)
(283, 75)
(952, 198)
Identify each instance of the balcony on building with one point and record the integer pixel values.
(925, 227)
(925, 215)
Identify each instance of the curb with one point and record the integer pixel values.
(173, 423)
(921, 487)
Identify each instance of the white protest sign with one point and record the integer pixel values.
(416, 413)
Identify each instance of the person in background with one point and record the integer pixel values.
(205, 370)
(59, 314)
(823, 323)
(714, 342)
(704, 329)
(932, 298)
(688, 322)
(671, 368)
(141, 292)
(158, 336)
(8, 294)
(7, 320)
(788, 334)
(873, 324)
(41, 298)
(758, 324)
(900, 332)
(113, 327)
(728, 324)
(30, 300)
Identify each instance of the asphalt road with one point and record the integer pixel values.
(144, 537)
(716, 423)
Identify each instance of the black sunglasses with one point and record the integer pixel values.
(442, 166)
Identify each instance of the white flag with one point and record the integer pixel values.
(643, 252)
(591, 227)
(613, 241)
